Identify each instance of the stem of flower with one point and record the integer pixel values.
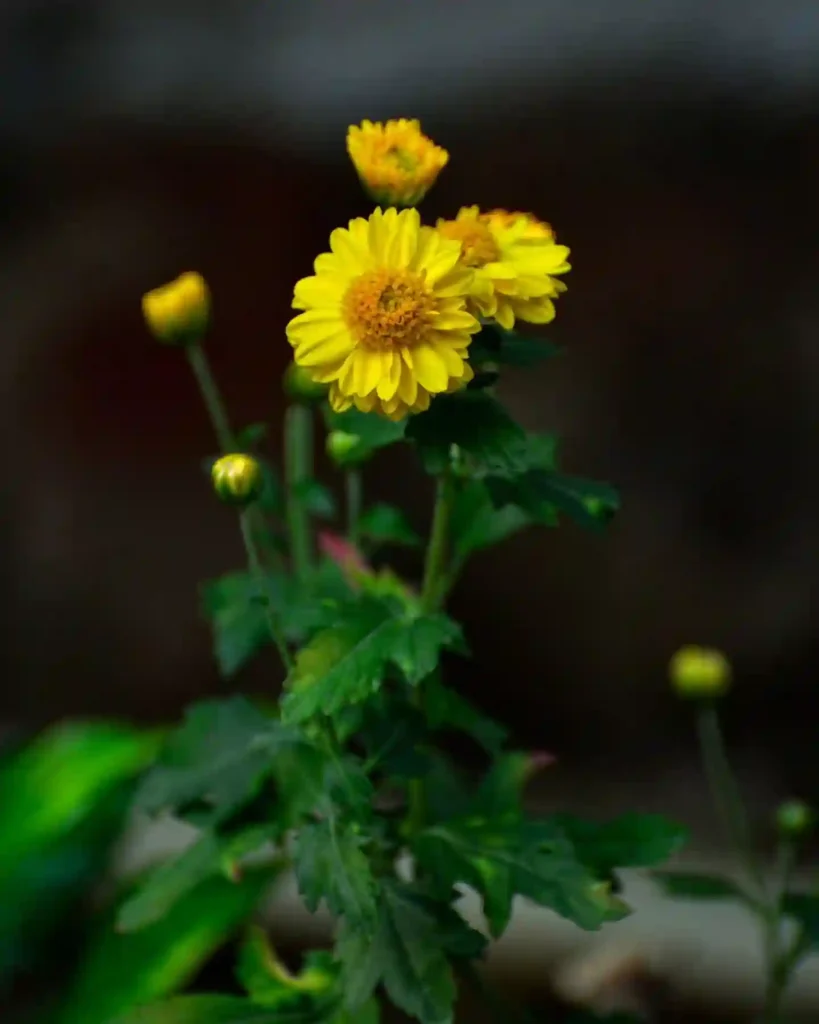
(212, 397)
(255, 563)
(779, 963)
(353, 487)
(431, 598)
(298, 468)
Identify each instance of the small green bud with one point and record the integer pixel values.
(301, 387)
(342, 447)
(237, 479)
(795, 819)
(700, 673)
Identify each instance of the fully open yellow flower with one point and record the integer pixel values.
(515, 258)
(396, 162)
(385, 322)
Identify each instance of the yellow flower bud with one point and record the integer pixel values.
(700, 672)
(341, 447)
(178, 312)
(298, 384)
(237, 479)
(795, 819)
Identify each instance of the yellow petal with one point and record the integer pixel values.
(535, 311)
(338, 401)
(367, 370)
(353, 253)
(320, 350)
(505, 315)
(390, 376)
(452, 361)
(407, 384)
(321, 290)
(403, 239)
(429, 368)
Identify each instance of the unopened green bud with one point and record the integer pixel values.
(299, 385)
(700, 673)
(795, 819)
(237, 479)
(342, 447)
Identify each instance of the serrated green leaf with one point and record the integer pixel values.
(317, 499)
(386, 524)
(122, 971)
(347, 663)
(687, 885)
(203, 1009)
(331, 866)
(446, 709)
(539, 492)
(477, 524)
(502, 859)
(406, 956)
(474, 421)
(312, 993)
(217, 760)
(495, 344)
(629, 841)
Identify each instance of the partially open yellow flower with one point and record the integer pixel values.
(515, 261)
(178, 312)
(385, 322)
(396, 162)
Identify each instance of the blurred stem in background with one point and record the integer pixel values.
(298, 469)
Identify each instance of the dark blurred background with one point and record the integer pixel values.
(674, 146)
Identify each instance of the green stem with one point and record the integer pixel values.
(353, 486)
(212, 397)
(298, 468)
(726, 796)
(780, 963)
(431, 597)
(255, 563)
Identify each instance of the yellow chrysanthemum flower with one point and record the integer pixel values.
(514, 261)
(385, 322)
(396, 162)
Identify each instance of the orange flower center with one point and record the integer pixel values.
(388, 308)
(478, 245)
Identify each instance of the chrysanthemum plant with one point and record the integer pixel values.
(402, 333)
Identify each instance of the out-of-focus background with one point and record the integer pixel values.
(673, 145)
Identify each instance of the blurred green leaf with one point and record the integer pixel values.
(317, 499)
(495, 344)
(477, 524)
(804, 908)
(122, 971)
(251, 436)
(539, 492)
(631, 840)
(373, 431)
(695, 886)
(201, 1010)
(216, 760)
(331, 865)
(446, 709)
(386, 524)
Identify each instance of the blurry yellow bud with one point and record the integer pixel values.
(396, 162)
(795, 819)
(299, 385)
(178, 312)
(341, 447)
(237, 479)
(700, 672)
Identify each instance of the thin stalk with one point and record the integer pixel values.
(298, 468)
(212, 397)
(255, 563)
(431, 598)
(354, 494)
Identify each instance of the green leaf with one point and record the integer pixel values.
(474, 421)
(695, 886)
(347, 663)
(317, 499)
(406, 956)
(251, 436)
(202, 1009)
(312, 992)
(216, 760)
(804, 907)
(373, 431)
(331, 865)
(124, 970)
(446, 709)
(386, 524)
(477, 524)
(502, 859)
(495, 344)
(631, 840)
(539, 492)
